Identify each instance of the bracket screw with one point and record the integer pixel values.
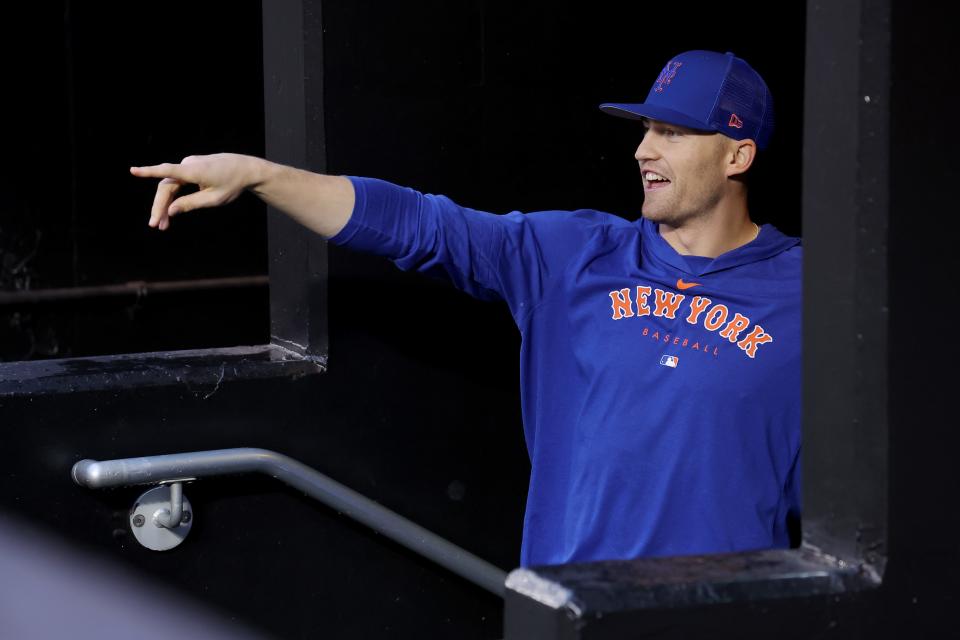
(138, 520)
(186, 517)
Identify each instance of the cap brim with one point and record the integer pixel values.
(653, 112)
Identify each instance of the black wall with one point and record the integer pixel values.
(924, 585)
(91, 89)
(495, 104)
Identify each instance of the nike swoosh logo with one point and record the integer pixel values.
(683, 286)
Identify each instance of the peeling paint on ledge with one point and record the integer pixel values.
(193, 368)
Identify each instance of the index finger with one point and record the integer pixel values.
(165, 170)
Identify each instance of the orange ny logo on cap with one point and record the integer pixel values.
(666, 76)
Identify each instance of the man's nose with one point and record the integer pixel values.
(644, 150)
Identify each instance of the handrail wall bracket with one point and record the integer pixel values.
(162, 517)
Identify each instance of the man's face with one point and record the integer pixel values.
(692, 162)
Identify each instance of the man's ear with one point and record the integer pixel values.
(740, 157)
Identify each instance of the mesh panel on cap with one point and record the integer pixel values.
(745, 95)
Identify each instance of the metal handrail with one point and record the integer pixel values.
(138, 288)
(199, 464)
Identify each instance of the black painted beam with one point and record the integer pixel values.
(294, 129)
(845, 218)
(201, 371)
(577, 600)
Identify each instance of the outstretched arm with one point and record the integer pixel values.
(321, 203)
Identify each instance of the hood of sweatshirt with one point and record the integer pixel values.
(769, 243)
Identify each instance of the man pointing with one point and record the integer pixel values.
(660, 359)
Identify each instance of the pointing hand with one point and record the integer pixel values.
(221, 178)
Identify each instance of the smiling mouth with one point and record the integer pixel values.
(653, 181)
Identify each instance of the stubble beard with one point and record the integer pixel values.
(673, 213)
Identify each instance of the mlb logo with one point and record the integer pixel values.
(669, 361)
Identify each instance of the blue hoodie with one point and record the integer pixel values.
(660, 392)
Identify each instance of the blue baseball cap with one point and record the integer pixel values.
(708, 91)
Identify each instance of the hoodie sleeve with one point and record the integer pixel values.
(511, 257)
